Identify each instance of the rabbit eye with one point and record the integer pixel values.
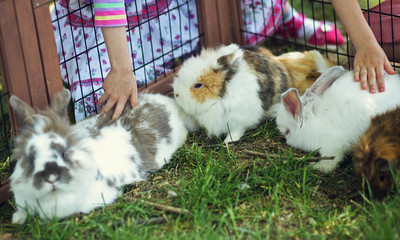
(198, 85)
(287, 132)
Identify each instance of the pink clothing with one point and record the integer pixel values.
(158, 32)
(261, 18)
(384, 21)
(109, 13)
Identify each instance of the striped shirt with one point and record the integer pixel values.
(109, 13)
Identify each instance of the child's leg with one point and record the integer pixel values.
(296, 25)
(261, 19)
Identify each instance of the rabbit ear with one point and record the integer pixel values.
(61, 101)
(22, 110)
(325, 80)
(230, 59)
(292, 102)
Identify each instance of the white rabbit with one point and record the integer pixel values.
(332, 114)
(231, 89)
(62, 170)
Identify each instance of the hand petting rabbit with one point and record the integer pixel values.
(377, 153)
(62, 170)
(231, 89)
(333, 114)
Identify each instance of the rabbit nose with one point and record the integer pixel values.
(52, 178)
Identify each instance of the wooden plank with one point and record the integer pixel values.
(14, 71)
(208, 19)
(40, 3)
(237, 22)
(48, 51)
(12, 54)
(161, 85)
(224, 21)
(31, 53)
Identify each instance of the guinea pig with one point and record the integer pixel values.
(377, 153)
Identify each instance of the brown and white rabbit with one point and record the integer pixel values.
(378, 148)
(62, 169)
(230, 89)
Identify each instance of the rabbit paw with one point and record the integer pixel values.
(19, 217)
(325, 165)
(234, 136)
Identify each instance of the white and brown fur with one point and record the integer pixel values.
(303, 68)
(63, 169)
(377, 150)
(230, 89)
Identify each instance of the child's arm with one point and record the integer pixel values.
(120, 83)
(370, 60)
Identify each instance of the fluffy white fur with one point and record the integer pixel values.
(332, 121)
(96, 161)
(238, 110)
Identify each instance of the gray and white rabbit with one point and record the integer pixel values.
(377, 151)
(230, 89)
(62, 169)
(332, 114)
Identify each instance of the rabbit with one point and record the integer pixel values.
(64, 169)
(378, 148)
(230, 89)
(304, 67)
(332, 114)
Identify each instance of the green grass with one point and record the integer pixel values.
(231, 194)
(5, 135)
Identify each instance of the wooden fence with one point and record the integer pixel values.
(29, 58)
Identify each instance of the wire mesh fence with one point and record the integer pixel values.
(159, 34)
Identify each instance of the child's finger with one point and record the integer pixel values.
(371, 80)
(363, 79)
(380, 78)
(356, 73)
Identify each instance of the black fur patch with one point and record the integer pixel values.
(251, 48)
(51, 168)
(284, 81)
(59, 148)
(28, 162)
(265, 70)
(145, 139)
(230, 68)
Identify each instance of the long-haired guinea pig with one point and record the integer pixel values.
(377, 154)
(230, 89)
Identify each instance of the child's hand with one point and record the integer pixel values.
(119, 86)
(370, 62)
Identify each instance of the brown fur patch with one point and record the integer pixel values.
(259, 50)
(302, 68)
(379, 146)
(213, 82)
(271, 76)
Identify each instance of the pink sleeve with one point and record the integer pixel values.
(109, 13)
